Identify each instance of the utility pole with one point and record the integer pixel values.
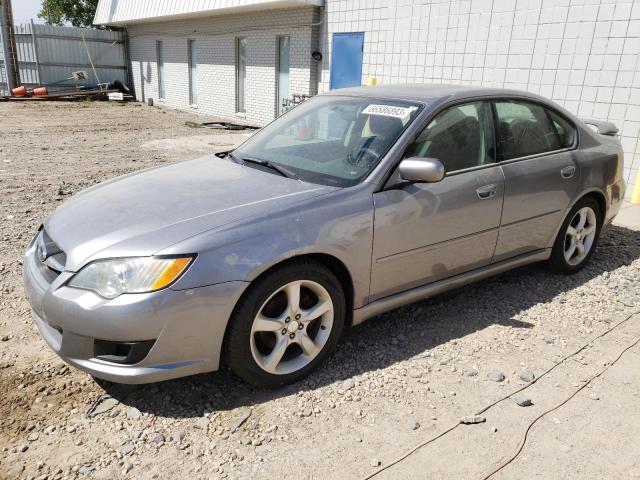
(8, 45)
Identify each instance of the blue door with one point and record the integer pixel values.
(346, 60)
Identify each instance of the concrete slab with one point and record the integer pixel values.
(628, 217)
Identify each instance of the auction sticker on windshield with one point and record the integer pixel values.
(389, 111)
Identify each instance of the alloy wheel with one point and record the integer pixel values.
(292, 327)
(580, 236)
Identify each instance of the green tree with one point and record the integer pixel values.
(78, 13)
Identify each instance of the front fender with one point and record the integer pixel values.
(339, 225)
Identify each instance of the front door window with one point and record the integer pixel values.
(461, 137)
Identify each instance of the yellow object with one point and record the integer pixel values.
(635, 197)
(372, 81)
(172, 272)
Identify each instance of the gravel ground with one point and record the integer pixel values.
(393, 383)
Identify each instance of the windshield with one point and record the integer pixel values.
(330, 140)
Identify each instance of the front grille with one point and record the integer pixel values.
(50, 255)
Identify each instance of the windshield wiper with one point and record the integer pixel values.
(285, 172)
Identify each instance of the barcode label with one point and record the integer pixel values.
(388, 111)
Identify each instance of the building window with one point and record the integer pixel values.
(160, 59)
(241, 73)
(283, 72)
(193, 73)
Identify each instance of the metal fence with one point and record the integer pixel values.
(49, 55)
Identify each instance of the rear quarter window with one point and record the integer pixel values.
(566, 131)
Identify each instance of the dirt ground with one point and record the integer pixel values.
(394, 382)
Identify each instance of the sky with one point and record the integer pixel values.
(25, 10)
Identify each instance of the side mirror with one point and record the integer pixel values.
(417, 169)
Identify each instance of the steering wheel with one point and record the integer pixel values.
(365, 157)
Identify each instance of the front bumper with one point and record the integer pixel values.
(186, 326)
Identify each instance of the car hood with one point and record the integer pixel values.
(144, 212)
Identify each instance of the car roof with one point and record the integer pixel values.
(427, 92)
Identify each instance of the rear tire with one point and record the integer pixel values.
(578, 237)
(287, 323)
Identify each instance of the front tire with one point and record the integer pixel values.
(286, 325)
(578, 237)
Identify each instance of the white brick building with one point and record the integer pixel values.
(584, 54)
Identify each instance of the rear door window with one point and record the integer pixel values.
(524, 129)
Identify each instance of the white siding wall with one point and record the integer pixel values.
(584, 54)
(112, 12)
(216, 55)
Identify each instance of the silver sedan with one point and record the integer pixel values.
(352, 204)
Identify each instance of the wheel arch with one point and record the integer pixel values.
(599, 197)
(333, 263)
(337, 267)
(594, 193)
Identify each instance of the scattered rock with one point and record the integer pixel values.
(23, 448)
(522, 400)
(527, 376)
(496, 376)
(470, 372)
(133, 413)
(243, 416)
(413, 373)
(104, 406)
(628, 301)
(594, 396)
(202, 423)
(472, 419)
(33, 436)
(85, 469)
(375, 462)
(127, 448)
(307, 412)
(445, 360)
(156, 438)
(126, 467)
(413, 425)
(348, 384)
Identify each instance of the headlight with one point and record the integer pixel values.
(111, 278)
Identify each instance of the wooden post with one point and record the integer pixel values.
(8, 45)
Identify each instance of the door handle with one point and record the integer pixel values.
(488, 191)
(568, 172)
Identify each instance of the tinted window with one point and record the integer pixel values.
(566, 131)
(524, 129)
(460, 137)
